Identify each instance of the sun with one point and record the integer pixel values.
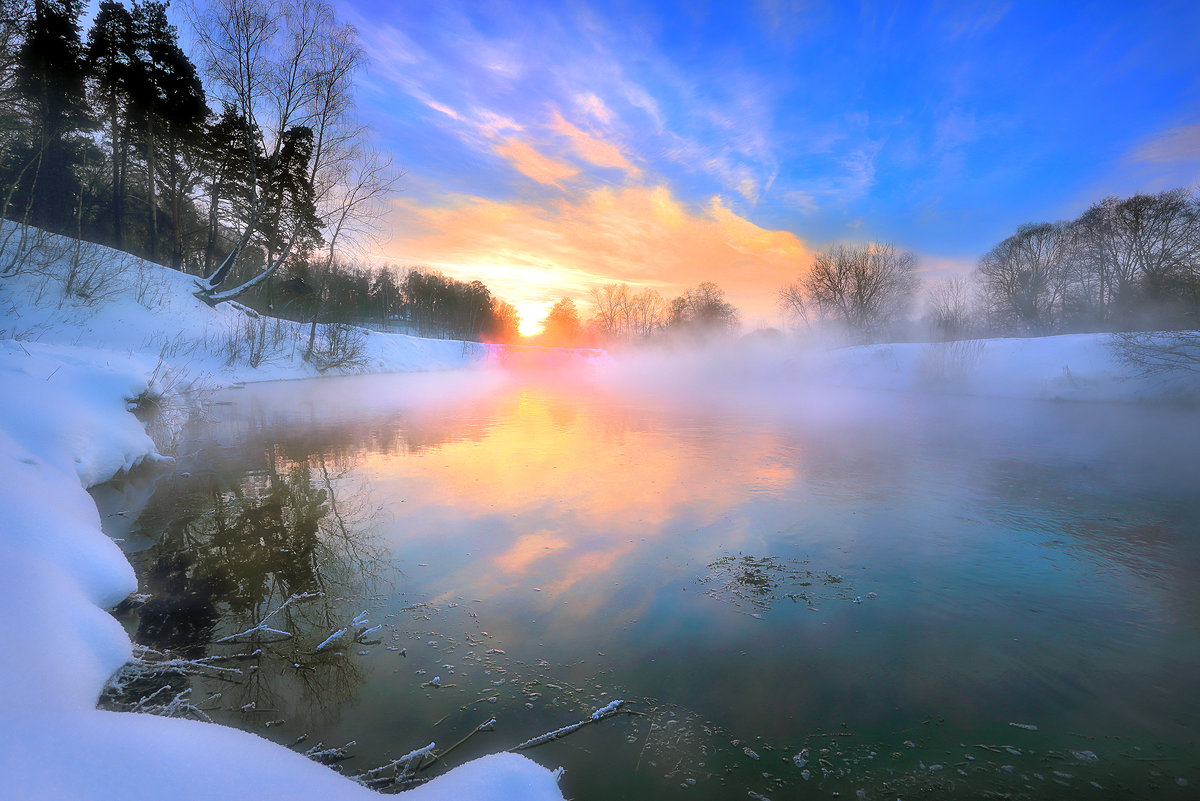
(532, 313)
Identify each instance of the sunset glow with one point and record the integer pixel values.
(551, 149)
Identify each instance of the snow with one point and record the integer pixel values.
(1072, 367)
(70, 367)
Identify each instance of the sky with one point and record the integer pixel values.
(551, 147)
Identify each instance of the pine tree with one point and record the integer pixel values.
(288, 210)
(225, 170)
(169, 98)
(110, 59)
(50, 79)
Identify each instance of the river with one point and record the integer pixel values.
(880, 594)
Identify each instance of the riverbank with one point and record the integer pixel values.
(72, 368)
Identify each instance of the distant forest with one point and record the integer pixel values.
(258, 183)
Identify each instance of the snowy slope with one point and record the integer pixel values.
(69, 367)
(135, 307)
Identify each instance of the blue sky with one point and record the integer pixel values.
(550, 147)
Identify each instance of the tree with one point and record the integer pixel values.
(561, 327)
(283, 66)
(365, 183)
(702, 310)
(505, 326)
(1143, 251)
(1024, 277)
(111, 54)
(620, 314)
(611, 311)
(225, 170)
(287, 213)
(948, 309)
(859, 288)
(49, 80)
(170, 101)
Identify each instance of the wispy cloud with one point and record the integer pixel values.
(592, 148)
(1181, 143)
(532, 164)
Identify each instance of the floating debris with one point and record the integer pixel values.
(762, 581)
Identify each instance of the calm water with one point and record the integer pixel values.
(886, 581)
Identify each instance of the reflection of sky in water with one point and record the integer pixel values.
(1030, 561)
(1014, 575)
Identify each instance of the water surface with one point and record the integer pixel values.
(888, 581)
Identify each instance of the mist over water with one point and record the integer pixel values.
(759, 566)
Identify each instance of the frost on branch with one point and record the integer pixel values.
(141, 685)
(262, 627)
(595, 717)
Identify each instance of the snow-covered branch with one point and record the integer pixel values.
(261, 626)
(600, 714)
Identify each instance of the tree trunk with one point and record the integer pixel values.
(151, 173)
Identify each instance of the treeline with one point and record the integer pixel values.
(256, 178)
(412, 300)
(109, 138)
(621, 315)
(1125, 264)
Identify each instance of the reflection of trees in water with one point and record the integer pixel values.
(235, 545)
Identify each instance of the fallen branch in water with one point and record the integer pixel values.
(597, 716)
(403, 769)
(262, 624)
(330, 756)
(487, 725)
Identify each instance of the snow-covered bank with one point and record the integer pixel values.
(69, 368)
(1074, 367)
(134, 307)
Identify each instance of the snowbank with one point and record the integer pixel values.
(69, 367)
(1075, 367)
(134, 307)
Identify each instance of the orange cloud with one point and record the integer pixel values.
(533, 164)
(591, 148)
(532, 253)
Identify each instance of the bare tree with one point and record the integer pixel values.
(647, 311)
(611, 315)
(364, 179)
(948, 309)
(862, 288)
(1159, 352)
(1141, 249)
(621, 314)
(1024, 277)
(284, 66)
